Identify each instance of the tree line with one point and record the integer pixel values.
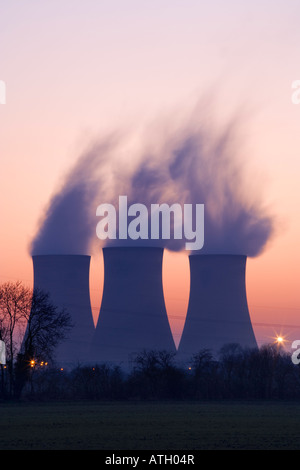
(30, 371)
(266, 373)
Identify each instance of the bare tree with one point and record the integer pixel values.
(29, 313)
(156, 374)
(15, 300)
(46, 327)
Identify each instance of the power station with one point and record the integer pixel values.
(218, 310)
(133, 315)
(66, 279)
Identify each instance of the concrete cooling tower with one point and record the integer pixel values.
(218, 310)
(66, 279)
(133, 315)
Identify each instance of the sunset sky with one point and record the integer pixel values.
(76, 70)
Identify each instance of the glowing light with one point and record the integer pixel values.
(280, 340)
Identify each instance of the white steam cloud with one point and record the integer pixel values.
(193, 165)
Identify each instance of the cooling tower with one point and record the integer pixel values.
(218, 311)
(133, 315)
(66, 279)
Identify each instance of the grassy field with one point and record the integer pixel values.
(149, 426)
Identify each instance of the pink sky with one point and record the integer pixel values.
(74, 70)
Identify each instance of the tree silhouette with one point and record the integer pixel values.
(29, 313)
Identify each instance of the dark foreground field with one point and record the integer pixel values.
(153, 426)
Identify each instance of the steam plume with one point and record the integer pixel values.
(194, 164)
(69, 221)
(197, 165)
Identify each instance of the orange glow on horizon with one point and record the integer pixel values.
(54, 112)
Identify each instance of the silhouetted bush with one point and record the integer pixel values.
(155, 375)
